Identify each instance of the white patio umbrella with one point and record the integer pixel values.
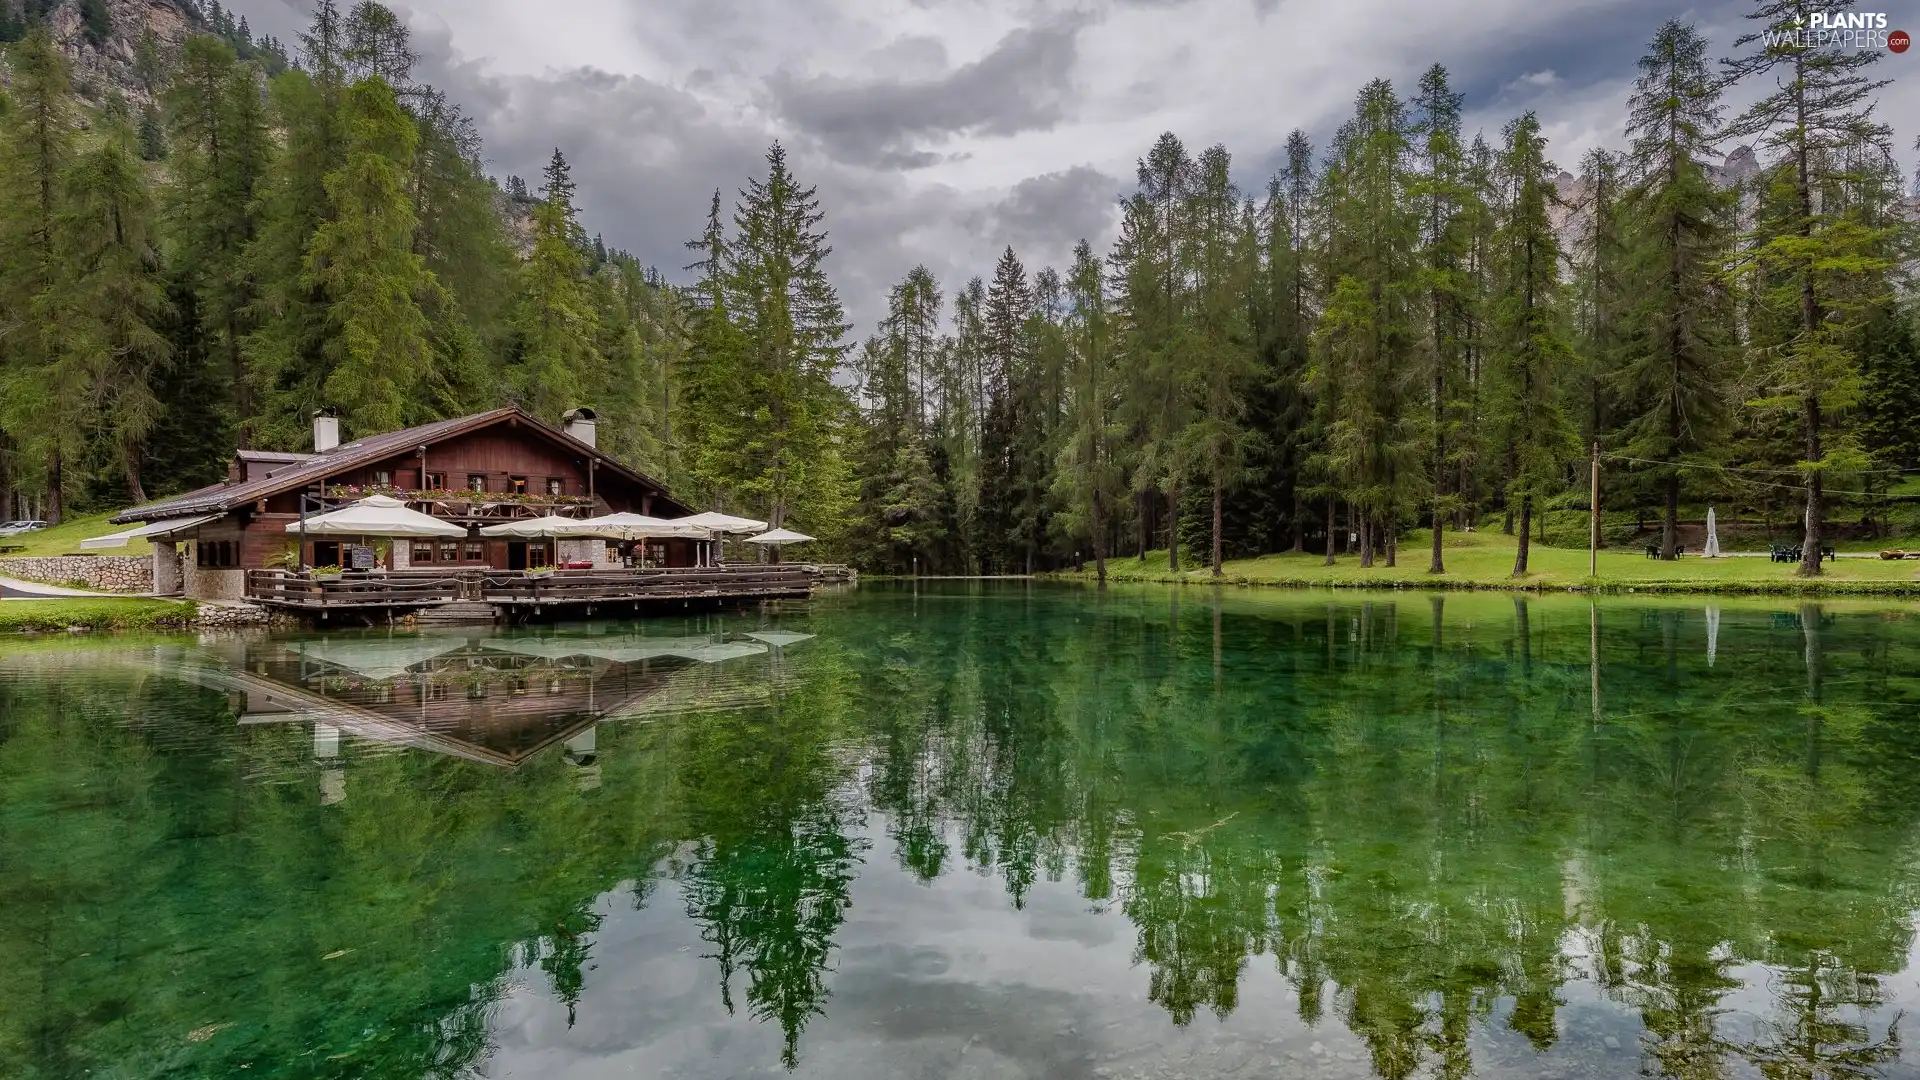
(1713, 536)
(778, 538)
(634, 527)
(722, 524)
(376, 515)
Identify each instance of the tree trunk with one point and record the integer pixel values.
(1173, 526)
(1438, 565)
(1393, 547)
(1506, 526)
(1099, 539)
(1143, 504)
(1810, 545)
(1526, 520)
(1366, 542)
(1216, 530)
(1329, 561)
(1670, 522)
(1299, 523)
(130, 462)
(55, 480)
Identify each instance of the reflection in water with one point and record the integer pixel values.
(986, 830)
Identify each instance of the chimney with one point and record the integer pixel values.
(326, 430)
(580, 424)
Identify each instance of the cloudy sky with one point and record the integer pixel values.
(939, 131)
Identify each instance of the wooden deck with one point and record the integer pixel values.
(518, 590)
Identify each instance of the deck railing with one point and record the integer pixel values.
(409, 588)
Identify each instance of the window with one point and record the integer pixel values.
(216, 554)
(326, 553)
(556, 486)
(449, 551)
(476, 482)
(517, 485)
(475, 551)
(383, 477)
(422, 552)
(537, 556)
(436, 481)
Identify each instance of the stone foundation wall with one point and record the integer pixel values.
(203, 584)
(106, 573)
(229, 616)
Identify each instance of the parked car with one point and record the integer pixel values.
(15, 528)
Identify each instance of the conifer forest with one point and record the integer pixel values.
(1410, 329)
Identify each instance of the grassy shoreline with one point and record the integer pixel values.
(73, 614)
(1483, 561)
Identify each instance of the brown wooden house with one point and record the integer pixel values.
(475, 471)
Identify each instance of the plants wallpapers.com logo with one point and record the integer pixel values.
(1840, 30)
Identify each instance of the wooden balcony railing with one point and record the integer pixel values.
(423, 588)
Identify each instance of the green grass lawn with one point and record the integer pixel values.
(68, 613)
(1485, 560)
(64, 538)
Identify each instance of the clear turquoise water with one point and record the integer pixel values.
(976, 831)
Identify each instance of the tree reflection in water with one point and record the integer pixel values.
(1437, 819)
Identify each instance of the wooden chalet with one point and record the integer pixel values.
(231, 540)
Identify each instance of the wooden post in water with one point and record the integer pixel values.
(1593, 530)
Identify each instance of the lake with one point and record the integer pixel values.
(976, 830)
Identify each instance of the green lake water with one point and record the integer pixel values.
(976, 830)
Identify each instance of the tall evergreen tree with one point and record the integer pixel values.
(1682, 320)
(379, 347)
(792, 338)
(1443, 190)
(1087, 475)
(557, 325)
(1822, 100)
(1530, 353)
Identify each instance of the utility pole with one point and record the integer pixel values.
(1593, 530)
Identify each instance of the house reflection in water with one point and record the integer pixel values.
(499, 698)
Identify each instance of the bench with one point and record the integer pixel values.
(1793, 554)
(1653, 550)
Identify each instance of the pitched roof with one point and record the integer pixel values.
(275, 457)
(306, 469)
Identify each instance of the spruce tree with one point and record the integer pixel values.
(42, 397)
(792, 338)
(1007, 344)
(1681, 320)
(110, 299)
(1087, 478)
(1443, 191)
(220, 160)
(557, 324)
(1529, 353)
(380, 346)
(1821, 100)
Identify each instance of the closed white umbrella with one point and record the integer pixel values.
(1713, 536)
(532, 528)
(376, 515)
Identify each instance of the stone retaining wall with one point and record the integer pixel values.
(229, 616)
(107, 573)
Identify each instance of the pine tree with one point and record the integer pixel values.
(1682, 320)
(1006, 357)
(1087, 478)
(1821, 101)
(713, 413)
(792, 338)
(1219, 257)
(380, 347)
(1530, 353)
(220, 160)
(557, 325)
(42, 397)
(1443, 191)
(111, 298)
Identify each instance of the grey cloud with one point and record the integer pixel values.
(1024, 84)
(1049, 214)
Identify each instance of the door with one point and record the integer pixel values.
(517, 555)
